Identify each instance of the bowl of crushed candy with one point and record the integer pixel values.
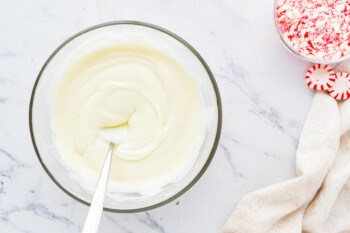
(317, 32)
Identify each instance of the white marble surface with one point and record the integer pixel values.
(264, 97)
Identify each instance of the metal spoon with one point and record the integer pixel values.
(115, 135)
(93, 219)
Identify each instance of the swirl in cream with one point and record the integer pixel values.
(136, 96)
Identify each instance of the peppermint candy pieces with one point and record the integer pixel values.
(323, 77)
(341, 88)
(320, 77)
(316, 29)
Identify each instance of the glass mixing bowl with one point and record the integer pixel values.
(42, 100)
(295, 52)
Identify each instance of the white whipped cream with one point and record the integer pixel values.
(135, 94)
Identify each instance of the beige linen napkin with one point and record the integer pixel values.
(318, 199)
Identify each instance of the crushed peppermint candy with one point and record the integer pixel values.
(316, 29)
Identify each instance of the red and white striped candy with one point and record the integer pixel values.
(341, 87)
(320, 77)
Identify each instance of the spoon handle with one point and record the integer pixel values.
(94, 216)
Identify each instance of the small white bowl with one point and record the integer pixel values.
(299, 55)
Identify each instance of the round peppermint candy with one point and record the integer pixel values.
(341, 87)
(320, 77)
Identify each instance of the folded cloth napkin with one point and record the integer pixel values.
(318, 199)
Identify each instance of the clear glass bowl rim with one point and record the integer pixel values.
(214, 85)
